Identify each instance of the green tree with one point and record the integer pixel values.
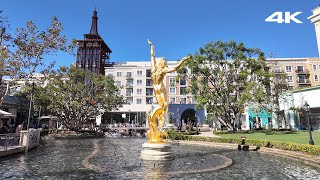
(225, 76)
(76, 95)
(28, 50)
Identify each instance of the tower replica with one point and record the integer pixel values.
(93, 53)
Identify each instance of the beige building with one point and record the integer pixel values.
(299, 72)
(134, 81)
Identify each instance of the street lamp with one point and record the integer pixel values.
(306, 107)
(129, 116)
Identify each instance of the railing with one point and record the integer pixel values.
(303, 81)
(129, 85)
(300, 71)
(277, 71)
(9, 140)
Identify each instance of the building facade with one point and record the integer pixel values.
(134, 81)
(299, 72)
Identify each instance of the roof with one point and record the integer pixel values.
(306, 89)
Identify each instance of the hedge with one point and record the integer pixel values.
(267, 131)
(310, 149)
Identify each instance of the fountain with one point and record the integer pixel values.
(157, 147)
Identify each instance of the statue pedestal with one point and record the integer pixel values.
(156, 151)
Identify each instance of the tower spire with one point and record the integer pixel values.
(94, 23)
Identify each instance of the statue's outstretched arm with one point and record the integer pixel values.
(178, 65)
(153, 57)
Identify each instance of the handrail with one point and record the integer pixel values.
(8, 140)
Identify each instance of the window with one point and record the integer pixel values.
(129, 74)
(183, 90)
(288, 68)
(172, 90)
(183, 82)
(139, 82)
(149, 100)
(139, 91)
(314, 67)
(148, 82)
(300, 68)
(172, 100)
(301, 79)
(290, 87)
(289, 78)
(139, 73)
(118, 74)
(148, 72)
(149, 91)
(183, 100)
(316, 78)
(139, 101)
(118, 84)
(277, 69)
(172, 81)
(129, 101)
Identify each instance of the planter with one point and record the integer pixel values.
(170, 126)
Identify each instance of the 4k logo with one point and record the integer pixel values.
(288, 17)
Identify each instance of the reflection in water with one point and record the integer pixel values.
(119, 159)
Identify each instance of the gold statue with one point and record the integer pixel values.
(158, 72)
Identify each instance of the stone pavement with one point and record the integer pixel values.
(306, 158)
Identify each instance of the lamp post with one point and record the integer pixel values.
(306, 107)
(129, 116)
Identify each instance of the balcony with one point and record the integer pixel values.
(129, 85)
(303, 81)
(149, 94)
(129, 94)
(149, 84)
(278, 71)
(300, 71)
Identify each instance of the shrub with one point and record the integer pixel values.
(310, 149)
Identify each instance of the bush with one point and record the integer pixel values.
(310, 149)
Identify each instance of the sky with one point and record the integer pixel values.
(176, 27)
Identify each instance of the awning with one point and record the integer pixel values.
(6, 114)
(48, 117)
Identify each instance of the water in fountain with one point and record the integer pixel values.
(110, 158)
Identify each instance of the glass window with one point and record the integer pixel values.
(139, 101)
(172, 90)
(139, 73)
(300, 68)
(289, 78)
(129, 74)
(183, 82)
(277, 69)
(118, 74)
(139, 91)
(172, 100)
(288, 69)
(316, 78)
(314, 67)
(139, 82)
(172, 81)
(118, 83)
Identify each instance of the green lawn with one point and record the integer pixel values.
(301, 137)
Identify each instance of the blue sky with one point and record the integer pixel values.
(176, 27)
